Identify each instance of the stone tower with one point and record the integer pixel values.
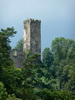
(32, 36)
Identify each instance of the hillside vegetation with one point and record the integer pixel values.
(52, 78)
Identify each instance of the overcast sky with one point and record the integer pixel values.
(57, 18)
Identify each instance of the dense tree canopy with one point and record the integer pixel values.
(52, 78)
(30, 64)
(64, 57)
(60, 48)
(47, 57)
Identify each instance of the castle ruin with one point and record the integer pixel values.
(31, 41)
(32, 36)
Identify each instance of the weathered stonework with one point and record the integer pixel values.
(18, 57)
(32, 36)
(31, 41)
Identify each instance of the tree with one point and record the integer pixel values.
(4, 45)
(12, 79)
(4, 37)
(30, 64)
(71, 53)
(71, 81)
(65, 72)
(19, 45)
(5, 62)
(63, 51)
(60, 47)
(47, 57)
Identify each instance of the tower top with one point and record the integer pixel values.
(32, 20)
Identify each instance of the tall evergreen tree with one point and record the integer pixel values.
(5, 60)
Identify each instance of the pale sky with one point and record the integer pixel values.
(57, 18)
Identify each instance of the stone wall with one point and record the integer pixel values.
(31, 41)
(35, 34)
(18, 57)
(32, 36)
(26, 35)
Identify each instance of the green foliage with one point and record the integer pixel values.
(30, 64)
(12, 78)
(47, 94)
(71, 53)
(48, 81)
(44, 78)
(27, 53)
(60, 48)
(29, 94)
(70, 83)
(5, 47)
(3, 93)
(4, 38)
(19, 45)
(47, 57)
(63, 51)
(12, 97)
